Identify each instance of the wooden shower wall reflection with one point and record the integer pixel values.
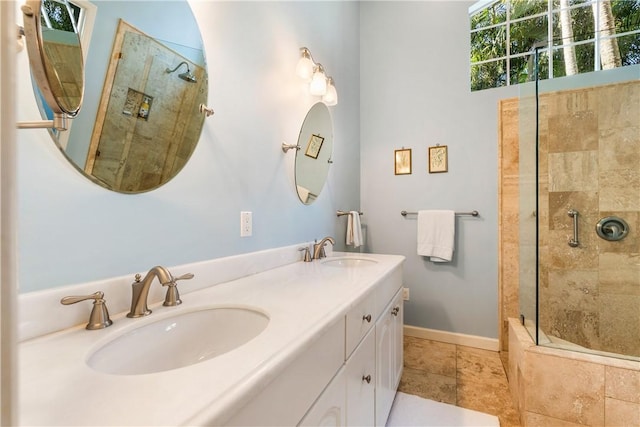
(148, 122)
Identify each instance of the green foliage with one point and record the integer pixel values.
(489, 52)
(58, 15)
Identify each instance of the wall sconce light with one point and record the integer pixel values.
(305, 66)
(331, 96)
(313, 72)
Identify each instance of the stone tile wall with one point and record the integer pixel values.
(589, 160)
(554, 387)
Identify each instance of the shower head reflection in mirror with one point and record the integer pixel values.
(186, 76)
(82, 144)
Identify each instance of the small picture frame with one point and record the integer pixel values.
(438, 159)
(314, 146)
(402, 162)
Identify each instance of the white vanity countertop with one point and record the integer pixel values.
(302, 300)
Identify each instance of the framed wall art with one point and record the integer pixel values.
(402, 162)
(438, 159)
(314, 146)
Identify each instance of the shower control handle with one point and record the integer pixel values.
(612, 228)
(574, 242)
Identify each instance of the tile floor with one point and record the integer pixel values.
(463, 376)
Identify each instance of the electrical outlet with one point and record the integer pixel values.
(405, 294)
(246, 224)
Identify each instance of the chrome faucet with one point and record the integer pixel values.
(141, 290)
(318, 248)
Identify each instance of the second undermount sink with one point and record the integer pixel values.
(178, 341)
(350, 261)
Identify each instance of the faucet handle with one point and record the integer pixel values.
(99, 317)
(307, 254)
(172, 298)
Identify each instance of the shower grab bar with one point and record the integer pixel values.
(472, 213)
(574, 242)
(341, 213)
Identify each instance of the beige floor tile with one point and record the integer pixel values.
(532, 419)
(479, 365)
(430, 386)
(464, 376)
(431, 356)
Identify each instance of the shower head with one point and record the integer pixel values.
(186, 76)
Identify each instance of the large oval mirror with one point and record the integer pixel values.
(146, 79)
(313, 158)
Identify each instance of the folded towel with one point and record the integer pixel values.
(354, 229)
(436, 235)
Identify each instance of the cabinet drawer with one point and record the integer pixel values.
(360, 320)
(360, 375)
(387, 289)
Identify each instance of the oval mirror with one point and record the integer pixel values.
(146, 79)
(313, 158)
(55, 55)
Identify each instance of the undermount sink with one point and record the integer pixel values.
(349, 262)
(178, 341)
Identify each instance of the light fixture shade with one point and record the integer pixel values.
(318, 85)
(304, 69)
(331, 97)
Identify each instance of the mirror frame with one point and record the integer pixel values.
(37, 59)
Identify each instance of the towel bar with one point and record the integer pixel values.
(472, 213)
(341, 213)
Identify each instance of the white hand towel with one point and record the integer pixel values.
(354, 229)
(436, 235)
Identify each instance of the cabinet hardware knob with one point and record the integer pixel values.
(395, 311)
(367, 318)
(367, 378)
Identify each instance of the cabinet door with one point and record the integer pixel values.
(388, 357)
(330, 408)
(360, 373)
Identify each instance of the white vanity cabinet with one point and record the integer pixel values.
(389, 357)
(373, 362)
(331, 354)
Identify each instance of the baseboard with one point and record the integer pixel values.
(483, 343)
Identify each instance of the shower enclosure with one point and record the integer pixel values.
(579, 211)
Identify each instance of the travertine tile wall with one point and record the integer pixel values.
(508, 220)
(589, 160)
(553, 387)
(590, 139)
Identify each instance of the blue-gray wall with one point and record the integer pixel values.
(415, 94)
(72, 231)
(402, 73)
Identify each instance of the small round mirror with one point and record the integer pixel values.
(55, 54)
(314, 156)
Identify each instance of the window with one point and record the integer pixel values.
(571, 37)
(60, 15)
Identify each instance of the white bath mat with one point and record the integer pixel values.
(409, 410)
